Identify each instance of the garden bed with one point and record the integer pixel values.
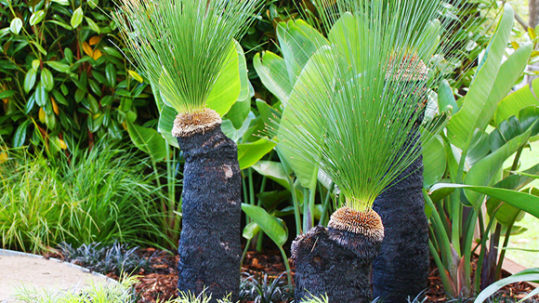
(159, 280)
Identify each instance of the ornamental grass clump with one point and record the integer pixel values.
(181, 46)
(358, 111)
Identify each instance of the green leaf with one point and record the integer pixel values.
(274, 171)
(505, 213)
(37, 17)
(239, 112)
(167, 115)
(15, 26)
(61, 2)
(268, 223)
(484, 171)
(463, 124)
(531, 274)
(30, 80)
(93, 3)
(227, 87)
(526, 202)
(41, 95)
(298, 41)
(250, 153)
(110, 73)
(434, 161)
(250, 230)
(76, 18)
(58, 66)
(272, 72)
(515, 102)
(20, 134)
(7, 94)
(446, 99)
(148, 140)
(93, 25)
(47, 80)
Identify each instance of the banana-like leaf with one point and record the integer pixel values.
(274, 171)
(434, 161)
(298, 41)
(515, 102)
(148, 140)
(252, 152)
(504, 212)
(464, 123)
(272, 72)
(227, 87)
(268, 223)
(526, 202)
(484, 171)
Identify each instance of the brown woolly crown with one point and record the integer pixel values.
(367, 223)
(409, 69)
(188, 124)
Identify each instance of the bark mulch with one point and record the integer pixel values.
(160, 281)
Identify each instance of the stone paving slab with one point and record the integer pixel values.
(25, 271)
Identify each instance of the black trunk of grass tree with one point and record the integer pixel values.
(401, 269)
(210, 247)
(336, 261)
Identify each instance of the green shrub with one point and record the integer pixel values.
(100, 195)
(62, 75)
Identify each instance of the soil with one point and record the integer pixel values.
(161, 280)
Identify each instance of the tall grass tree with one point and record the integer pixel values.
(181, 47)
(359, 110)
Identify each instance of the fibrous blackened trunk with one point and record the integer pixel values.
(401, 268)
(336, 263)
(210, 247)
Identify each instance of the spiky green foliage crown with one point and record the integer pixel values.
(357, 108)
(181, 45)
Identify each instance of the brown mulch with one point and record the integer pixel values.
(161, 281)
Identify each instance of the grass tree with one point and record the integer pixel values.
(182, 46)
(358, 111)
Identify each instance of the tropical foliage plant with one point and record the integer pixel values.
(487, 127)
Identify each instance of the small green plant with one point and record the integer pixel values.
(264, 289)
(96, 293)
(115, 258)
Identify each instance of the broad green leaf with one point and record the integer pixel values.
(250, 153)
(506, 213)
(531, 274)
(272, 72)
(274, 171)
(37, 17)
(434, 161)
(446, 99)
(484, 171)
(59, 66)
(15, 26)
(76, 18)
(515, 102)
(47, 80)
(464, 123)
(526, 202)
(227, 87)
(311, 81)
(148, 140)
(7, 94)
(246, 90)
(298, 41)
(268, 223)
(30, 80)
(250, 230)
(167, 115)
(239, 112)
